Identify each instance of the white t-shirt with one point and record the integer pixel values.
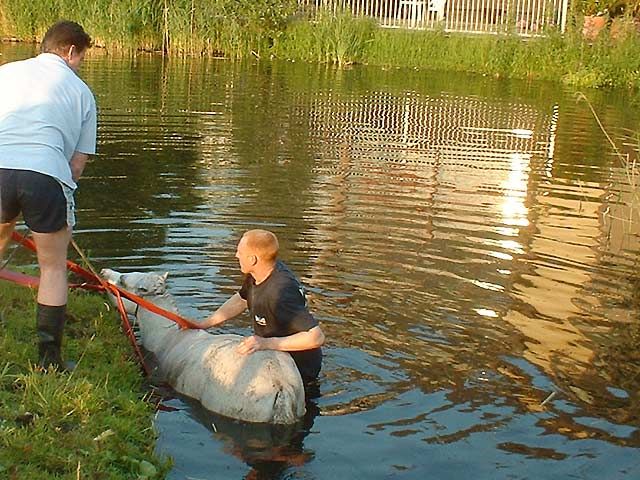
(46, 113)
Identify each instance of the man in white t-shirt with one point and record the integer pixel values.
(47, 132)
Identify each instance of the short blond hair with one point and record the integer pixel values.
(263, 243)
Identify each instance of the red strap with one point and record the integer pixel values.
(19, 278)
(147, 305)
(75, 268)
(89, 276)
(33, 282)
(129, 331)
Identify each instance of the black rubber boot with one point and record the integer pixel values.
(50, 321)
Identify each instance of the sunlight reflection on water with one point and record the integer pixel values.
(451, 235)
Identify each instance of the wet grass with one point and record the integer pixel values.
(94, 423)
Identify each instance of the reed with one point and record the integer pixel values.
(276, 28)
(115, 24)
(336, 37)
(341, 39)
(629, 193)
(606, 63)
(235, 28)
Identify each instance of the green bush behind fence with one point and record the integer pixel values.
(276, 28)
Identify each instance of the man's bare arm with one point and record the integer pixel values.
(77, 164)
(233, 307)
(312, 338)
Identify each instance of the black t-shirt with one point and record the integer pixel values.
(278, 308)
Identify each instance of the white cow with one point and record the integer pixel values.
(263, 387)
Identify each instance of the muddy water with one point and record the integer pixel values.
(464, 242)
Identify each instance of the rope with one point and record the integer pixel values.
(129, 331)
(93, 278)
(95, 282)
(126, 325)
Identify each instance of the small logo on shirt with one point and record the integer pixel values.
(260, 320)
(304, 297)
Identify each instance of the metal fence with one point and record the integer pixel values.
(521, 17)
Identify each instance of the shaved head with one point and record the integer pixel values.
(262, 243)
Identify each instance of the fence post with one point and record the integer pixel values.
(563, 20)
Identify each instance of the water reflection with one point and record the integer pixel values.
(519, 240)
(464, 241)
(270, 451)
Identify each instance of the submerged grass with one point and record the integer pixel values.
(93, 423)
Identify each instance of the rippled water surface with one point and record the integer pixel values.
(464, 242)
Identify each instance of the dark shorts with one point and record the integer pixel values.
(40, 198)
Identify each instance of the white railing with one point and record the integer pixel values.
(521, 17)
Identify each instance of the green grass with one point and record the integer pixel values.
(115, 24)
(340, 39)
(94, 423)
(272, 28)
(610, 61)
(235, 28)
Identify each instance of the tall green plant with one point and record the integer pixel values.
(235, 28)
(111, 23)
(336, 37)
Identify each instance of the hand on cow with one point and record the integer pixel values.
(193, 325)
(251, 344)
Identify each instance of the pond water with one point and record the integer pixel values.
(464, 242)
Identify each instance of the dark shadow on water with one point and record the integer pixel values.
(268, 450)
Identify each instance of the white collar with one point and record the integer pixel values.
(52, 57)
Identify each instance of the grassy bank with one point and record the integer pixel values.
(607, 62)
(233, 28)
(272, 28)
(92, 424)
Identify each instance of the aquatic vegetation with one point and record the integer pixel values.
(606, 63)
(276, 28)
(628, 163)
(338, 38)
(118, 24)
(93, 423)
(341, 39)
(234, 28)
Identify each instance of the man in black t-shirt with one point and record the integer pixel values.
(276, 302)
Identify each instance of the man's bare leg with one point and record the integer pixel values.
(52, 296)
(52, 259)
